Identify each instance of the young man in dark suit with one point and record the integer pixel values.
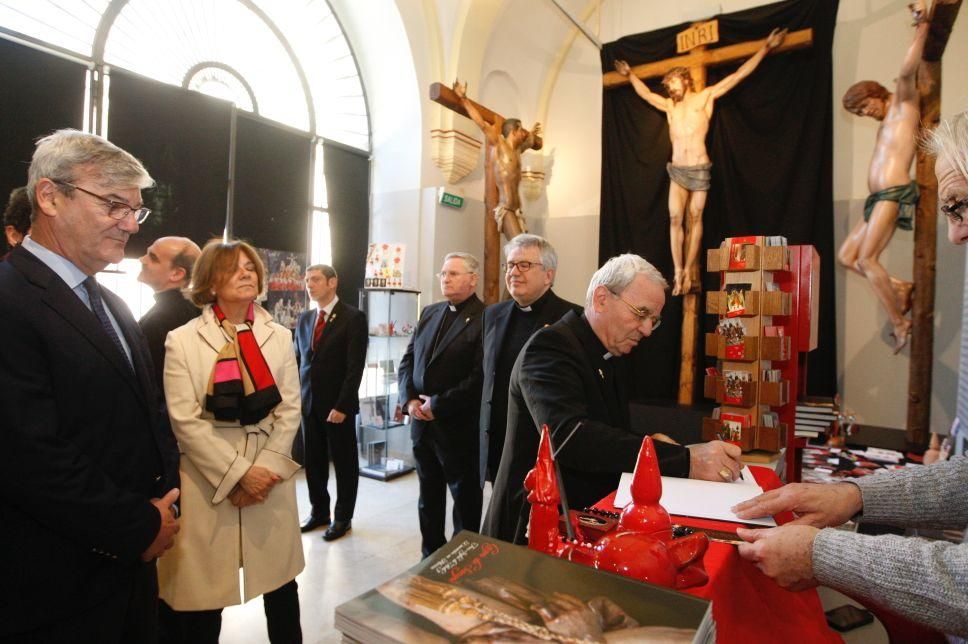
(569, 376)
(86, 505)
(440, 378)
(331, 352)
(529, 275)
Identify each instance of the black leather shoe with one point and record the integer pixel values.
(337, 530)
(313, 522)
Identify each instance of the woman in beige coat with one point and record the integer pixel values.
(233, 396)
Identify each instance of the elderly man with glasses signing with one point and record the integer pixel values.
(568, 376)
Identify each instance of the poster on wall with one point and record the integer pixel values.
(384, 265)
(285, 296)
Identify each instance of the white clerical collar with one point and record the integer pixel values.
(525, 309)
(607, 355)
(453, 309)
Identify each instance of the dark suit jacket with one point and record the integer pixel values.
(561, 379)
(171, 310)
(493, 407)
(451, 376)
(329, 378)
(86, 450)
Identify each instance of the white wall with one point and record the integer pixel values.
(528, 69)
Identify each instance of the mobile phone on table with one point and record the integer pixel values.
(847, 618)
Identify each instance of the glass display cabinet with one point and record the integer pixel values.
(384, 432)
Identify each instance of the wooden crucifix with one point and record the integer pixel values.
(689, 110)
(942, 19)
(501, 177)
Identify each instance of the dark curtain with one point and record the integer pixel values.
(182, 138)
(40, 93)
(272, 185)
(348, 190)
(770, 142)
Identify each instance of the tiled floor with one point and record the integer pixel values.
(384, 542)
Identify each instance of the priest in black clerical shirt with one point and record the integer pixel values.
(440, 380)
(568, 376)
(529, 275)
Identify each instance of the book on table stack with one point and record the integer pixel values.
(480, 589)
(816, 416)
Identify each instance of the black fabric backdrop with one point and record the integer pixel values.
(272, 180)
(40, 93)
(348, 192)
(182, 138)
(770, 142)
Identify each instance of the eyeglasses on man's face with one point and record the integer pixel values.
(642, 314)
(955, 212)
(452, 274)
(523, 266)
(116, 209)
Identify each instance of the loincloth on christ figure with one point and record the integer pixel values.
(501, 211)
(694, 178)
(906, 197)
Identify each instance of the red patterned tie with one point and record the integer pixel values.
(318, 330)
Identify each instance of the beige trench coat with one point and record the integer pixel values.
(201, 571)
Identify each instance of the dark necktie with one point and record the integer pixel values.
(318, 329)
(97, 306)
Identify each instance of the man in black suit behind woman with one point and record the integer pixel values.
(86, 504)
(331, 352)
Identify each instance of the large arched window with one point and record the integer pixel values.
(286, 62)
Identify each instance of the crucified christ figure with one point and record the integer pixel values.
(506, 141)
(689, 112)
(893, 195)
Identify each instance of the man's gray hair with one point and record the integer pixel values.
(549, 258)
(469, 261)
(60, 154)
(619, 272)
(949, 141)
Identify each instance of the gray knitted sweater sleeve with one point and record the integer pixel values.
(926, 581)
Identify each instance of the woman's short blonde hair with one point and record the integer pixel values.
(218, 261)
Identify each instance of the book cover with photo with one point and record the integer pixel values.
(478, 589)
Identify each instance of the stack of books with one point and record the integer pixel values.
(483, 590)
(816, 416)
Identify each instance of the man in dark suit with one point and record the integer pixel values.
(331, 351)
(440, 378)
(86, 505)
(167, 268)
(529, 275)
(568, 376)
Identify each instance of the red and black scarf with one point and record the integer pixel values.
(241, 386)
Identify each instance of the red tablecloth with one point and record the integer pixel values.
(748, 606)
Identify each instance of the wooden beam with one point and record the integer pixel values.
(794, 40)
(925, 231)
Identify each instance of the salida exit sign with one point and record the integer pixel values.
(454, 201)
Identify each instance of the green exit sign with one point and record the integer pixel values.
(453, 201)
